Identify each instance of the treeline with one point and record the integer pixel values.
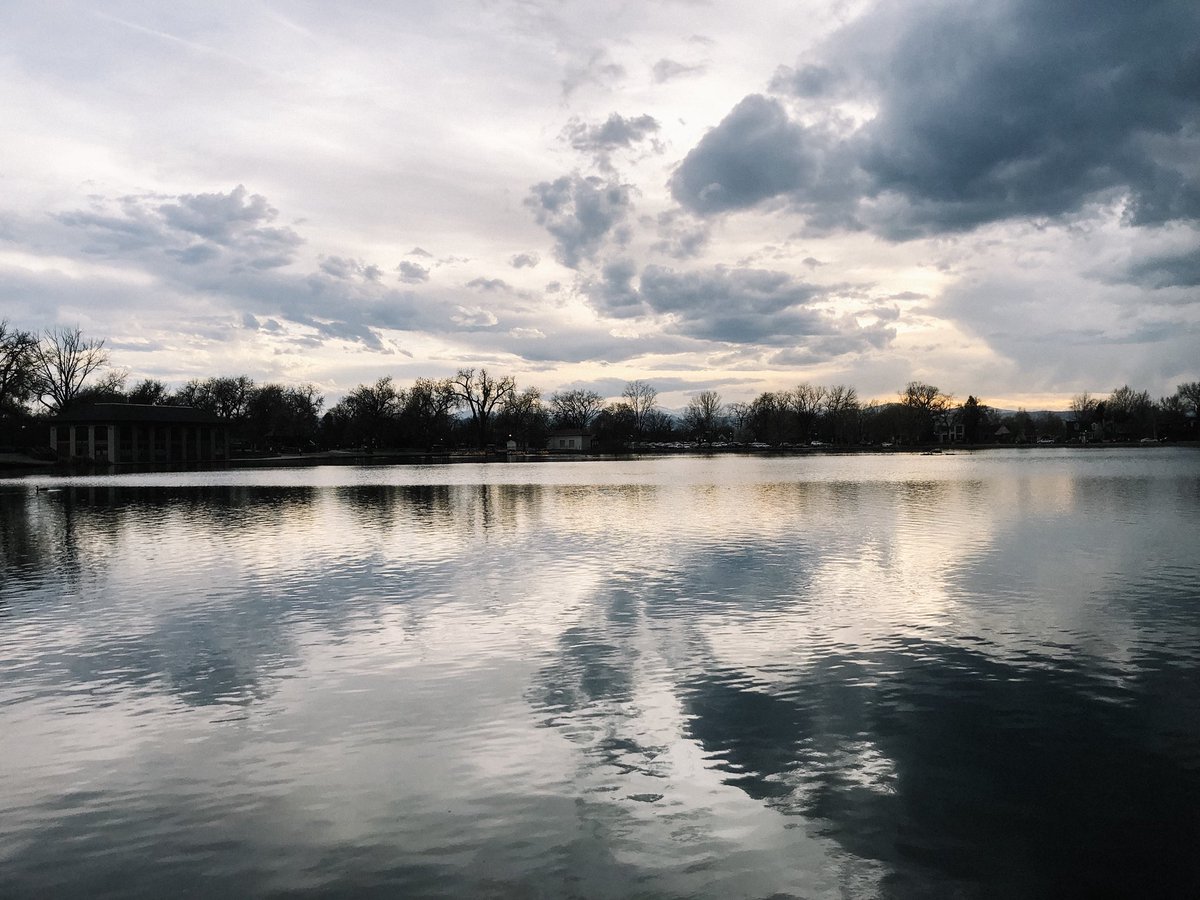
(46, 374)
(923, 414)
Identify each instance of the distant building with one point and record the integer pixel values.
(134, 433)
(571, 440)
(950, 430)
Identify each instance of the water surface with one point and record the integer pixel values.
(830, 676)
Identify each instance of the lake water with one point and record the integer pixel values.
(830, 676)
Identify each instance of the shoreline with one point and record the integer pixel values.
(16, 465)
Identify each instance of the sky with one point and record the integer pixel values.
(1000, 198)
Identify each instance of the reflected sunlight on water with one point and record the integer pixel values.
(832, 676)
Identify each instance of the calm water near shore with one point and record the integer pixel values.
(967, 675)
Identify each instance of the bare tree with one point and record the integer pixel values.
(702, 417)
(227, 396)
(18, 351)
(1189, 393)
(368, 413)
(1086, 409)
(576, 408)
(63, 362)
(768, 417)
(426, 414)
(1129, 413)
(739, 418)
(150, 391)
(524, 417)
(925, 404)
(642, 399)
(482, 394)
(806, 402)
(841, 411)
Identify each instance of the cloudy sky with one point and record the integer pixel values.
(1001, 198)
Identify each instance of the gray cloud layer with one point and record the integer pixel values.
(581, 213)
(985, 111)
(736, 306)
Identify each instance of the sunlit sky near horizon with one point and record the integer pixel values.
(1001, 198)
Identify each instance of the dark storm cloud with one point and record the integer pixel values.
(985, 112)
(411, 273)
(581, 213)
(733, 305)
(755, 154)
(1174, 270)
(804, 81)
(759, 155)
(736, 306)
(614, 293)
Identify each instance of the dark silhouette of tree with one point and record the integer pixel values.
(278, 416)
(806, 402)
(1189, 393)
(1086, 410)
(641, 398)
(575, 408)
(1172, 416)
(769, 414)
(108, 388)
(63, 361)
(976, 420)
(1020, 426)
(367, 415)
(739, 419)
(841, 414)
(425, 416)
(659, 425)
(524, 418)
(18, 372)
(150, 392)
(1129, 414)
(226, 397)
(1048, 425)
(482, 394)
(924, 404)
(702, 418)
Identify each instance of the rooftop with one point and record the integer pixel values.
(100, 413)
